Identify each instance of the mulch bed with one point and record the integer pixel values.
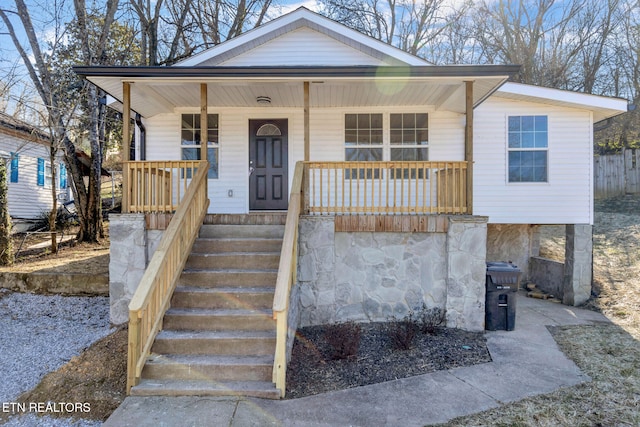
(312, 369)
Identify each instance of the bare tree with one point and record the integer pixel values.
(61, 99)
(6, 244)
(412, 26)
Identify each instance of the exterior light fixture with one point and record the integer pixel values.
(263, 100)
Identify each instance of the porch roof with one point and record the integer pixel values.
(157, 90)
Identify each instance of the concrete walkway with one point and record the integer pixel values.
(526, 362)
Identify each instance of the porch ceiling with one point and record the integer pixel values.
(442, 88)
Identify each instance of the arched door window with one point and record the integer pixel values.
(269, 129)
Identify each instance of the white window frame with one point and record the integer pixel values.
(195, 142)
(533, 149)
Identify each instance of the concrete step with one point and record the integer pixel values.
(241, 343)
(208, 367)
(234, 260)
(223, 297)
(241, 278)
(221, 245)
(155, 387)
(202, 319)
(235, 231)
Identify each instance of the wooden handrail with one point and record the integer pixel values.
(389, 187)
(287, 271)
(151, 299)
(156, 186)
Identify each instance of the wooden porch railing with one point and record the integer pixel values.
(386, 187)
(156, 186)
(287, 271)
(152, 297)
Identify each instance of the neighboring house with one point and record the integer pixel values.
(414, 176)
(25, 149)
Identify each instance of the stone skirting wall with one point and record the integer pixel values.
(132, 246)
(547, 275)
(372, 276)
(513, 242)
(578, 264)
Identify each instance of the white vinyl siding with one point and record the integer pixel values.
(566, 197)
(27, 200)
(446, 142)
(303, 46)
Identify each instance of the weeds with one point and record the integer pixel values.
(430, 319)
(403, 332)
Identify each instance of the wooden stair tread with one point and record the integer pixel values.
(157, 387)
(226, 289)
(201, 334)
(230, 270)
(209, 359)
(219, 312)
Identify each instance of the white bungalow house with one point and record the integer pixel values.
(346, 180)
(25, 151)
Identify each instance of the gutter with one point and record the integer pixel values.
(300, 72)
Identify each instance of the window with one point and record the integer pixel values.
(528, 147)
(363, 140)
(190, 143)
(409, 137)
(45, 173)
(48, 174)
(15, 161)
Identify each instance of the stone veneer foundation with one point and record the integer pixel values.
(373, 276)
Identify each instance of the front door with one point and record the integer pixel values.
(268, 164)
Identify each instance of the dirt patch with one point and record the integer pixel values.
(72, 257)
(97, 377)
(312, 369)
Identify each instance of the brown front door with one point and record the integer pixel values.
(268, 164)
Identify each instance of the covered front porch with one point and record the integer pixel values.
(319, 111)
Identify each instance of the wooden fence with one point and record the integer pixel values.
(617, 174)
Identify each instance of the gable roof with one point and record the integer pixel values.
(602, 107)
(303, 18)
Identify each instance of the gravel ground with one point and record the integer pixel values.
(39, 334)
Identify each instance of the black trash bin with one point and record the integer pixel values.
(503, 280)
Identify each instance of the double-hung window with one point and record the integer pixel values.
(528, 144)
(409, 137)
(48, 174)
(363, 141)
(408, 141)
(190, 130)
(46, 171)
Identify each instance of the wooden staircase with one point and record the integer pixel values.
(219, 336)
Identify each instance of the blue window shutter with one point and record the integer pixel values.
(14, 167)
(63, 176)
(41, 172)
